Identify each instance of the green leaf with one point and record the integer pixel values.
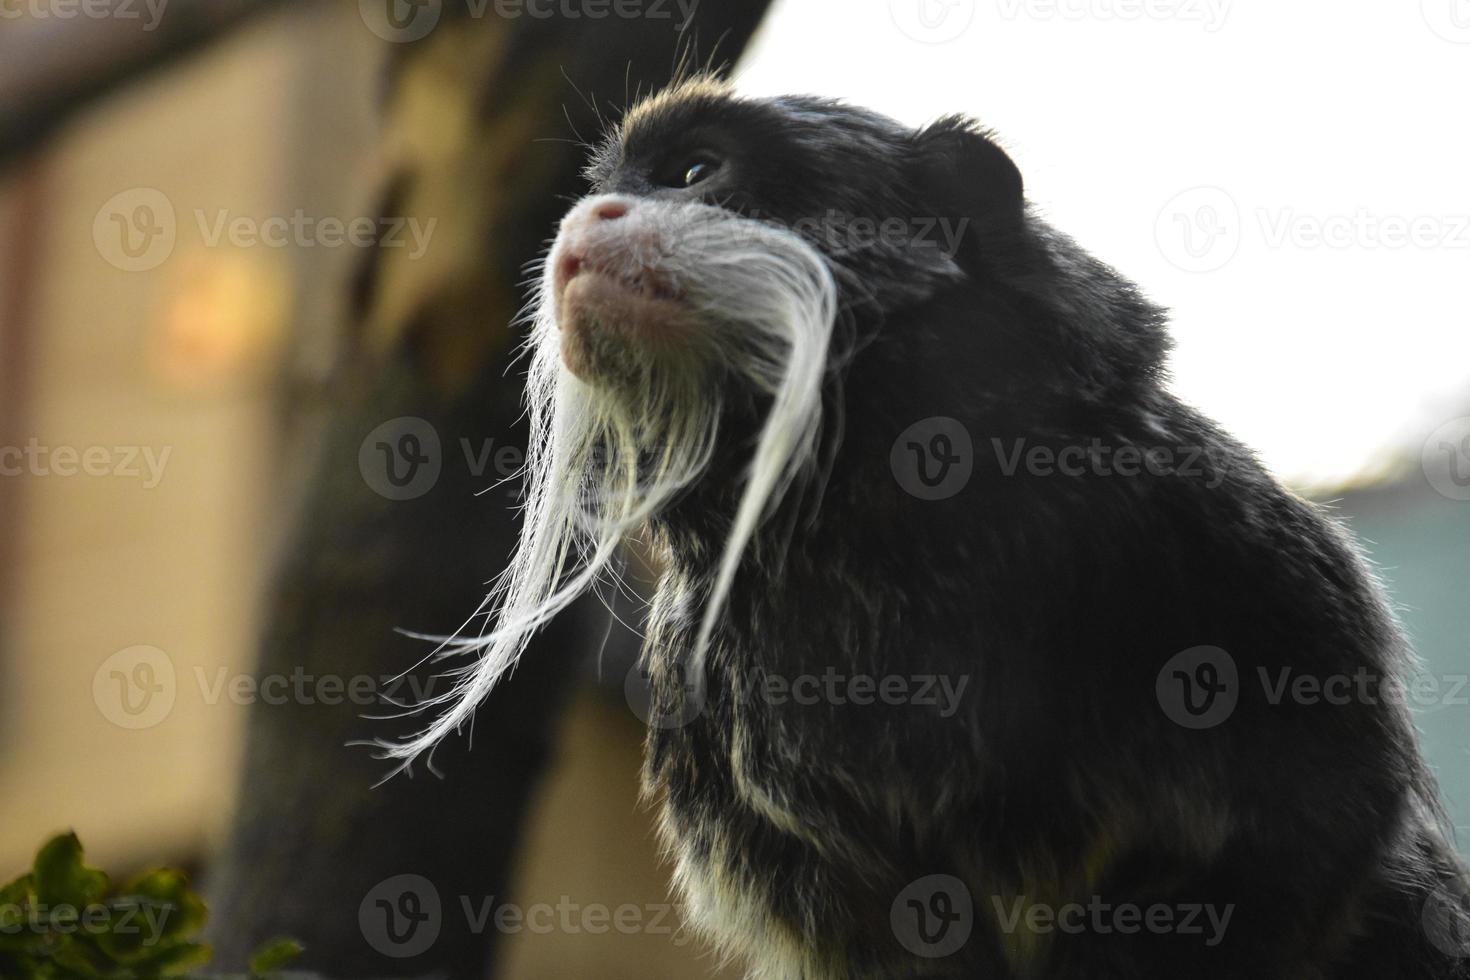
(59, 923)
(273, 955)
(61, 879)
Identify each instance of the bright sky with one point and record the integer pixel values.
(1291, 179)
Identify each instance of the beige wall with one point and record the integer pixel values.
(107, 562)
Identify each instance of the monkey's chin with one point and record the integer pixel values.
(612, 330)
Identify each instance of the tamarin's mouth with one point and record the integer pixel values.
(600, 312)
(637, 278)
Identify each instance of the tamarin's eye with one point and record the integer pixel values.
(695, 170)
(700, 170)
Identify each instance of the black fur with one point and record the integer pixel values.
(1061, 598)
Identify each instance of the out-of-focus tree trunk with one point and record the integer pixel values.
(476, 129)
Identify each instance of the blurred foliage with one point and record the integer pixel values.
(64, 921)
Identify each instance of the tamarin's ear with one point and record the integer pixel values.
(961, 172)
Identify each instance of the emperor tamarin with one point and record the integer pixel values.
(886, 429)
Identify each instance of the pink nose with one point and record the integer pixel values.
(610, 209)
(578, 233)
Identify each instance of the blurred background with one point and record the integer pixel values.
(246, 246)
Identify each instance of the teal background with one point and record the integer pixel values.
(1420, 541)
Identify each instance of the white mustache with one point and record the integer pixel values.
(602, 462)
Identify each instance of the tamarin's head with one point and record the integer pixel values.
(710, 213)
